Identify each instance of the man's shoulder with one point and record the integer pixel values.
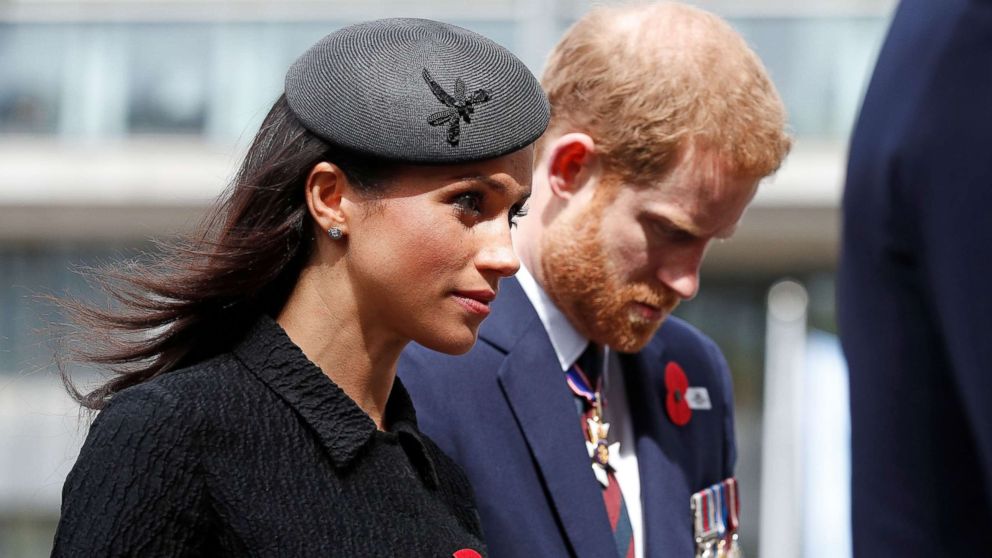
(432, 374)
(481, 359)
(513, 321)
(681, 342)
(679, 335)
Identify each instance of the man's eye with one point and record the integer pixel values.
(469, 203)
(671, 233)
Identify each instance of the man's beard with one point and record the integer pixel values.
(596, 300)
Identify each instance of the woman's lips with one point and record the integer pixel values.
(476, 302)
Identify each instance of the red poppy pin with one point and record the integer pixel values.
(467, 553)
(676, 384)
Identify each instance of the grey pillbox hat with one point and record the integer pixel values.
(417, 91)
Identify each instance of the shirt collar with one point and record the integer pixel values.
(343, 428)
(568, 343)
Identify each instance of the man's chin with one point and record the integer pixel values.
(633, 335)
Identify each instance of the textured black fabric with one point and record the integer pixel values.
(257, 453)
(418, 91)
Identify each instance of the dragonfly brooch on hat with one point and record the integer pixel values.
(459, 106)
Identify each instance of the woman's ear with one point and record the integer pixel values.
(325, 190)
(572, 162)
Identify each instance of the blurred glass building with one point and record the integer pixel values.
(121, 119)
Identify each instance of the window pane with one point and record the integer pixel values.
(30, 79)
(167, 78)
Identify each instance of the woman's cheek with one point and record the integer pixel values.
(431, 245)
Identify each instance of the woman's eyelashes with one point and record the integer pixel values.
(471, 206)
(516, 212)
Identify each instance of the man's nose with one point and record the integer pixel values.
(680, 271)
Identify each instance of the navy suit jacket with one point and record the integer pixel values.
(505, 414)
(915, 312)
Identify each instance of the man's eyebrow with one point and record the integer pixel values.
(675, 226)
(668, 222)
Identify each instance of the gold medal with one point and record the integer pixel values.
(600, 450)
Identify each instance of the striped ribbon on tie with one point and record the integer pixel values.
(584, 380)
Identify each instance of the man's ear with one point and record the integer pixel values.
(572, 162)
(325, 188)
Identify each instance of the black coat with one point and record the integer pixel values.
(257, 453)
(915, 313)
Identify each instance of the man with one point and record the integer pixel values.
(663, 122)
(914, 310)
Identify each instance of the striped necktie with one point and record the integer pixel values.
(585, 381)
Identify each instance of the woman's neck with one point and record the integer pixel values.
(323, 319)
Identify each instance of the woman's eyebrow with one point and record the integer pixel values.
(489, 181)
(494, 185)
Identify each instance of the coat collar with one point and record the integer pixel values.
(340, 424)
(534, 386)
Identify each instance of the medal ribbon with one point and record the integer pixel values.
(591, 403)
(716, 520)
(733, 504)
(580, 385)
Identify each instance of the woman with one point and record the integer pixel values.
(256, 410)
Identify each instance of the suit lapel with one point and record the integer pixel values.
(664, 492)
(544, 408)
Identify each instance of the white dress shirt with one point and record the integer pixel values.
(569, 344)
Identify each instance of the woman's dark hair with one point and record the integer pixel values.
(197, 295)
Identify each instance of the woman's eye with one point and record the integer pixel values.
(469, 203)
(517, 212)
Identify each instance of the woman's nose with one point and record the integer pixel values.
(496, 255)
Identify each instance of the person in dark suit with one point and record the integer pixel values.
(586, 417)
(255, 411)
(915, 315)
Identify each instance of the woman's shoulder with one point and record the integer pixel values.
(193, 383)
(139, 472)
(180, 395)
(171, 414)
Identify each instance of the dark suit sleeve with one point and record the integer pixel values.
(136, 489)
(949, 168)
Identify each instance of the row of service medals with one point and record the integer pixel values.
(715, 520)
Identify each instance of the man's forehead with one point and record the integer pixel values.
(693, 199)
